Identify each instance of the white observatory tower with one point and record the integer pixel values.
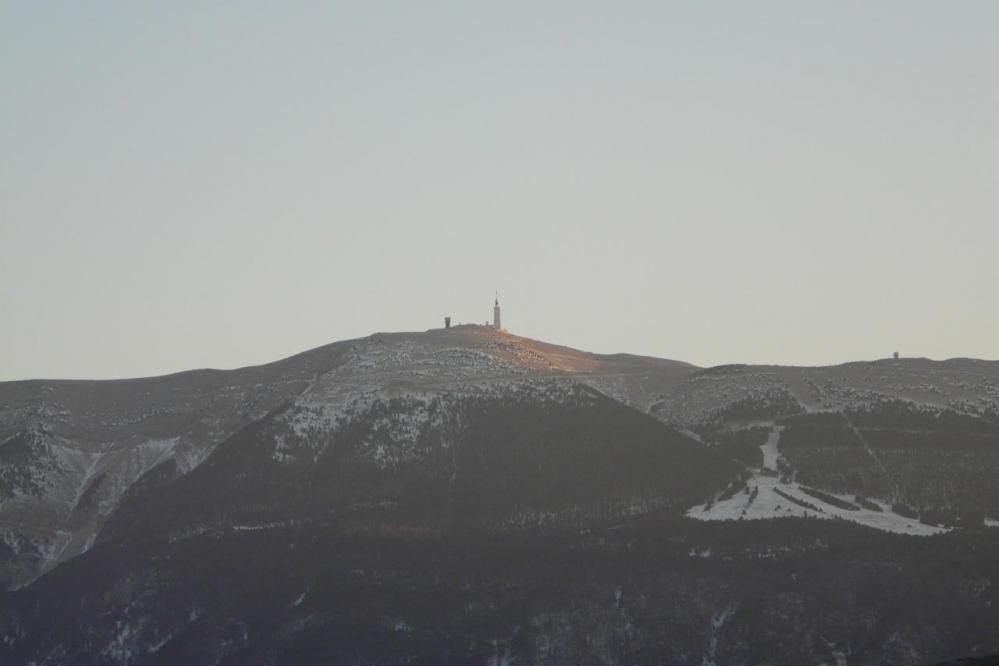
(496, 314)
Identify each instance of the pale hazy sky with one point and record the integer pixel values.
(186, 185)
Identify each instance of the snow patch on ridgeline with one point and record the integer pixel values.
(635, 389)
(375, 371)
(765, 496)
(414, 376)
(400, 414)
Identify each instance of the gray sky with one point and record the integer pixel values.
(220, 184)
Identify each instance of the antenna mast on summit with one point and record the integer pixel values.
(496, 313)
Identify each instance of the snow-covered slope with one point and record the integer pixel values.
(69, 450)
(764, 495)
(911, 433)
(469, 360)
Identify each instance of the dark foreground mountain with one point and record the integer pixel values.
(655, 589)
(468, 496)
